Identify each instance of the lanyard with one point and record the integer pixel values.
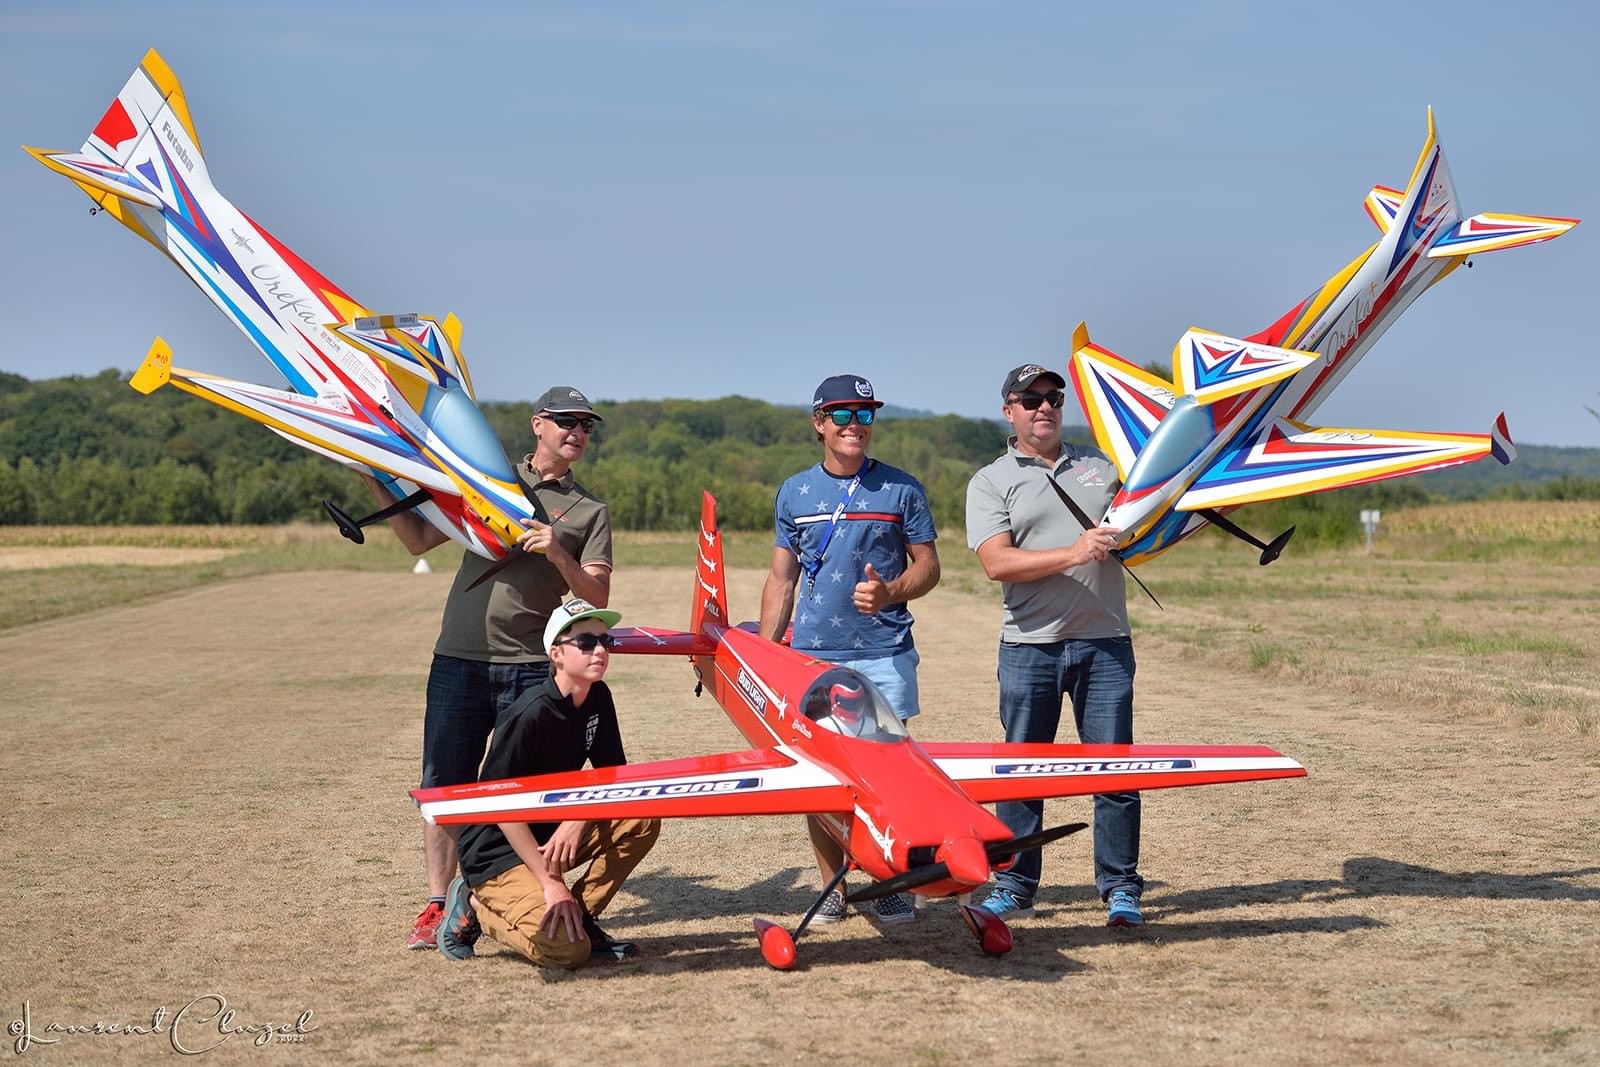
(815, 564)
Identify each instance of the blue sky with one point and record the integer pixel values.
(701, 199)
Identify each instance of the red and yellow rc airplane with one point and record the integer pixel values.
(907, 813)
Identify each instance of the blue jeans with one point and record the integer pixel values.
(895, 676)
(1098, 677)
(465, 698)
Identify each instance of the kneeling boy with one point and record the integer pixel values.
(515, 870)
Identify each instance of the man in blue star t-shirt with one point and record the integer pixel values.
(854, 543)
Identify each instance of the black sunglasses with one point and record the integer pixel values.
(842, 416)
(1031, 401)
(567, 422)
(589, 642)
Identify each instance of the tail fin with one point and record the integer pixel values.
(1429, 203)
(142, 151)
(1500, 443)
(710, 604)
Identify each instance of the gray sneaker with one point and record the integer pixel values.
(832, 910)
(894, 909)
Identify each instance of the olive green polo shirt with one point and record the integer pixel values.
(503, 620)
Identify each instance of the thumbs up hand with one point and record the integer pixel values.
(872, 593)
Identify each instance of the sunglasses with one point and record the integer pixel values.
(1031, 401)
(589, 642)
(842, 416)
(568, 422)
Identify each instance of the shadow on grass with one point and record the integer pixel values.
(1373, 876)
(938, 937)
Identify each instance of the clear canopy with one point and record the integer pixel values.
(461, 425)
(1177, 439)
(842, 700)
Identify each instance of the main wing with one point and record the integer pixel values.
(1284, 458)
(775, 781)
(989, 773)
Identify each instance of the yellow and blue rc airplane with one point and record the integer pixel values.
(1229, 430)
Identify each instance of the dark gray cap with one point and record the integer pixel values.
(565, 400)
(1021, 377)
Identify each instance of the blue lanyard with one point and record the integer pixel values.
(815, 564)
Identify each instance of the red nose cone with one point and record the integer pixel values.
(966, 860)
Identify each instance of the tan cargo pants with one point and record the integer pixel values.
(511, 905)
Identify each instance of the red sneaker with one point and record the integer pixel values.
(425, 932)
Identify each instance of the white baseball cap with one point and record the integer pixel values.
(575, 610)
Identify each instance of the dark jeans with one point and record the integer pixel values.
(465, 697)
(1097, 675)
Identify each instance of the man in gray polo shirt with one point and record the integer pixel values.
(491, 640)
(1064, 632)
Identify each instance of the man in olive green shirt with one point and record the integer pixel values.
(490, 648)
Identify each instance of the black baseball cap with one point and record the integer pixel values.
(844, 389)
(565, 400)
(1021, 377)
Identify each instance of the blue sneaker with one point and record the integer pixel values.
(1003, 903)
(1124, 910)
(459, 929)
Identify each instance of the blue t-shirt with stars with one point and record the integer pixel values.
(887, 512)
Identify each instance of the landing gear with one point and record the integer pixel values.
(1269, 552)
(991, 931)
(351, 528)
(777, 944)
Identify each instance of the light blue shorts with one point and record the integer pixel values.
(895, 676)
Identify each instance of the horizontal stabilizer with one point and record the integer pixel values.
(756, 782)
(1491, 232)
(652, 641)
(94, 175)
(1383, 206)
(1212, 367)
(991, 773)
(1285, 458)
(1124, 403)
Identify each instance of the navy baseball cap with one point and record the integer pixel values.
(844, 389)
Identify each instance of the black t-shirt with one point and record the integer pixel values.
(542, 733)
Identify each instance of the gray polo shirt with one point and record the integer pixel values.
(1012, 496)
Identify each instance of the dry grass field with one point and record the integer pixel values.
(202, 793)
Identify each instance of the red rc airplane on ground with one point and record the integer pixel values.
(907, 813)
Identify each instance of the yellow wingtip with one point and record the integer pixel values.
(1080, 336)
(156, 370)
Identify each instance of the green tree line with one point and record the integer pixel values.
(89, 450)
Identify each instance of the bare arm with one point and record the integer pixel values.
(591, 581)
(777, 595)
(873, 594)
(418, 536)
(1005, 562)
(561, 909)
